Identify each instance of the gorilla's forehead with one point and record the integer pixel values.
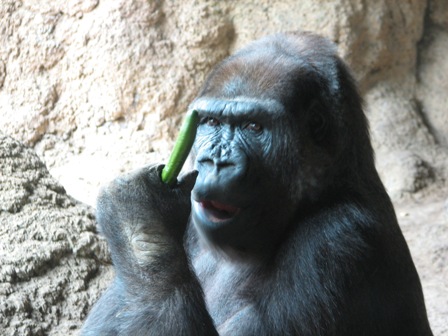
(238, 106)
(262, 76)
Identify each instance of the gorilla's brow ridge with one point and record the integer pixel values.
(238, 106)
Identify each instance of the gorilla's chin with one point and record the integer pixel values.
(222, 225)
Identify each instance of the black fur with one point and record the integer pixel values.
(291, 232)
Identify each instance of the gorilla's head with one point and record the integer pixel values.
(273, 140)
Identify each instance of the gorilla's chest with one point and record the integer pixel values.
(226, 286)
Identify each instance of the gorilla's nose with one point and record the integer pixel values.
(222, 152)
(218, 158)
(226, 165)
(217, 164)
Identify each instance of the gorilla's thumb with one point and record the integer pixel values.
(187, 180)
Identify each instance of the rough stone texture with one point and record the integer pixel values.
(425, 225)
(89, 77)
(53, 264)
(433, 82)
(99, 87)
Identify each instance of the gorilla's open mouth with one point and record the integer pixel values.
(217, 211)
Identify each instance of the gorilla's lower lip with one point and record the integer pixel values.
(218, 212)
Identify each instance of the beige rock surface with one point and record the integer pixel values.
(99, 87)
(424, 222)
(53, 263)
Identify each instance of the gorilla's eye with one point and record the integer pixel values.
(318, 125)
(253, 126)
(210, 121)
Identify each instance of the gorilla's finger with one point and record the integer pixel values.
(151, 172)
(187, 180)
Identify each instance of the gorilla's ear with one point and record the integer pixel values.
(319, 122)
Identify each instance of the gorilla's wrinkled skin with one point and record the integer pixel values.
(291, 231)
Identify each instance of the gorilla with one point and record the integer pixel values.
(282, 228)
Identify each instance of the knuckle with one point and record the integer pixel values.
(146, 245)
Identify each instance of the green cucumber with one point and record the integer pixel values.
(181, 148)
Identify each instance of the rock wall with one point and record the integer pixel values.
(53, 263)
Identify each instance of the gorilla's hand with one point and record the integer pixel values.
(143, 218)
(144, 221)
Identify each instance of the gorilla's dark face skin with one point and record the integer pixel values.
(291, 231)
(235, 148)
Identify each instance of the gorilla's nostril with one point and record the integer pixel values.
(216, 162)
(206, 162)
(225, 164)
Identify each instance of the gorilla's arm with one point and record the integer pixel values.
(345, 280)
(154, 292)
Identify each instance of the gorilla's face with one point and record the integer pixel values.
(238, 193)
